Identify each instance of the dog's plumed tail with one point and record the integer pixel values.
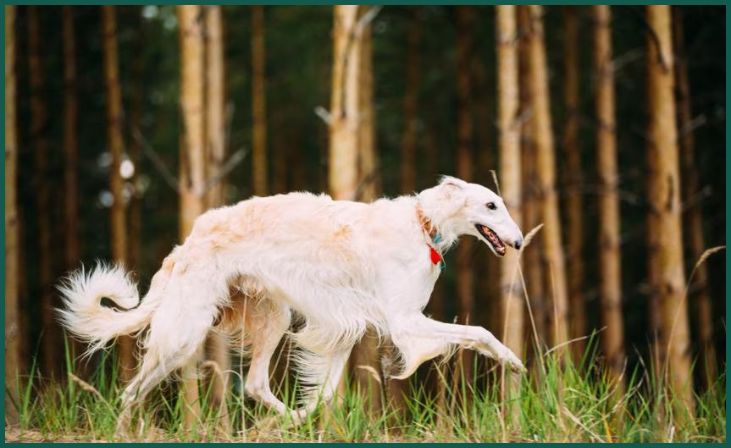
(103, 304)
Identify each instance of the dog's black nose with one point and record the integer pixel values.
(518, 244)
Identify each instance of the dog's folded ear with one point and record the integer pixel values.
(451, 193)
(453, 182)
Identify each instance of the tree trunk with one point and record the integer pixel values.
(610, 269)
(487, 290)
(534, 277)
(282, 153)
(70, 142)
(664, 218)
(465, 279)
(39, 127)
(396, 389)
(135, 149)
(410, 106)
(258, 98)
(436, 306)
(116, 148)
(344, 111)
(431, 150)
(573, 181)
(357, 59)
(510, 187)
(192, 162)
(215, 131)
(12, 240)
(554, 267)
(344, 114)
(298, 176)
(370, 179)
(693, 223)
(71, 159)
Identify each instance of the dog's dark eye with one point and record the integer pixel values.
(491, 206)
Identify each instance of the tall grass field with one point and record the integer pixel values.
(558, 402)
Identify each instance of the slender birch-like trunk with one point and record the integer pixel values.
(192, 162)
(70, 142)
(215, 131)
(610, 269)
(410, 106)
(134, 147)
(116, 148)
(396, 389)
(664, 221)
(554, 266)
(534, 277)
(344, 109)
(51, 341)
(344, 105)
(12, 233)
(573, 182)
(260, 160)
(693, 221)
(465, 161)
(71, 230)
(510, 187)
(369, 164)
(366, 354)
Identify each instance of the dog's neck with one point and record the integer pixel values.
(441, 235)
(426, 224)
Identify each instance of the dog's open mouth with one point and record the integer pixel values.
(492, 238)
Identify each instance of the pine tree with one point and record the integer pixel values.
(215, 134)
(192, 162)
(12, 240)
(573, 180)
(693, 221)
(534, 277)
(554, 267)
(71, 158)
(70, 142)
(664, 229)
(258, 100)
(610, 271)
(510, 184)
(116, 148)
(344, 113)
(465, 161)
(410, 106)
(51, 347)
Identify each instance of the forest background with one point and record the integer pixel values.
(96, 116)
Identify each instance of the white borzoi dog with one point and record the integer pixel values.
(341, 265)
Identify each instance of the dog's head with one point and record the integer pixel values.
(460, 208)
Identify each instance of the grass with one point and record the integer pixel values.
(556, 402)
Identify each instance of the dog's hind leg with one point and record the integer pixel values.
(177, 329)
(323, 374)
(158, 362)
(264, 336)
(150, 374)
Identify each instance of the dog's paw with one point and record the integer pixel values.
(508, 358)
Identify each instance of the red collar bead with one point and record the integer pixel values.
(436, 258)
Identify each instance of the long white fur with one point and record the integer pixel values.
(96, 325)
(343, 266)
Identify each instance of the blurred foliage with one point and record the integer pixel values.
(299, 47)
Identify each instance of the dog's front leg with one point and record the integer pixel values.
(421, 329)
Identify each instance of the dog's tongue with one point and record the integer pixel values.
(496, 242)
